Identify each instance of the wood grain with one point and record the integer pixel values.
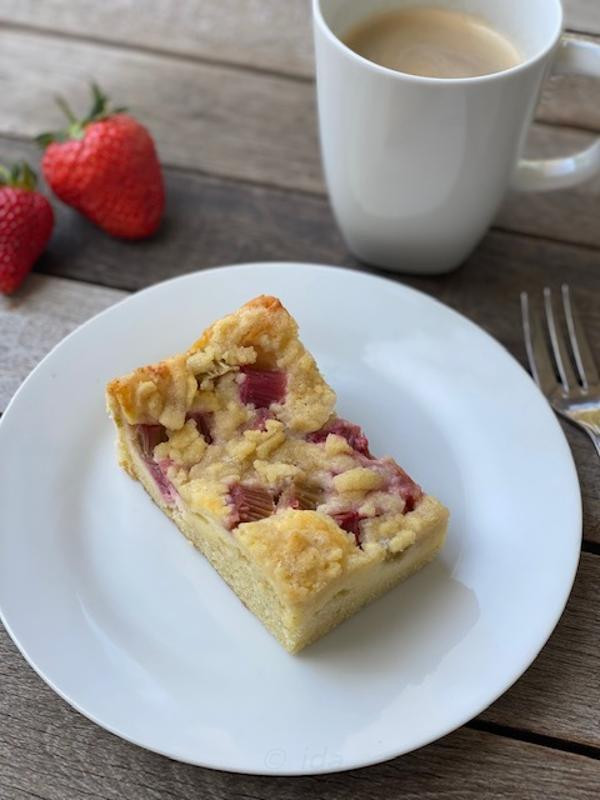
(50, 752)
(230, 123)
(216, 119)
(582, 15)
(264, 34)
(36, 318)
(559, 695)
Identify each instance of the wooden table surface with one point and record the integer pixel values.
(226, 88)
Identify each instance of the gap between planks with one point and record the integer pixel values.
(531, 737)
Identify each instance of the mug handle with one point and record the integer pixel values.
(574, 57)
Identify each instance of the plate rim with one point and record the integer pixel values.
(390, 753)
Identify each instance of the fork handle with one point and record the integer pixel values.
(573, 57)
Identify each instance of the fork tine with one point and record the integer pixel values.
(540, 362)
(586, 366)
(559, 349)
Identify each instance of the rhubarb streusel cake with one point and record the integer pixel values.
(237, 440)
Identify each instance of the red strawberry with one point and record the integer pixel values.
(26, 221)
(105, 166)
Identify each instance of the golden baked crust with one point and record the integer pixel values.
(299, 551)
(261, 333)
(237, 440)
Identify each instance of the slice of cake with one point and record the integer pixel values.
(238, 442)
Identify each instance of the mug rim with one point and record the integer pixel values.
(319, 20)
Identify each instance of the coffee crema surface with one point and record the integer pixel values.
(432, 42)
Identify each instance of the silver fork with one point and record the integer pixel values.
(569, 377)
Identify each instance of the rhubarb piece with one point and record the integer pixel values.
(301, 495)
(280, 494)
(149, 436)
(158, 472)
(350, 522)
(400, 483)
(341, 427)
(308, 495)
(250, 503)
(262, 387)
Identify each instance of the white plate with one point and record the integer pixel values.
(130, 624)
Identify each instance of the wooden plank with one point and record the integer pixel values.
(36, 318)
(49, 752)
(216, 119)
(582, 15)
(211, 118)
(263, 34)
(559, 695)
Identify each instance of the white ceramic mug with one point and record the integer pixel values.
(417, 167)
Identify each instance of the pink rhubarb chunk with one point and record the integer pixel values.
(341, 427)
(301, 496)
(399, 482)
(158, 472)
(262, 387)
(402, 484)
(148, 437)
(350, 522)
(250, 503)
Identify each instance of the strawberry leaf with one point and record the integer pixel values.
(100, 109)
(20, 175)
(99, 102)
(66, 109)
